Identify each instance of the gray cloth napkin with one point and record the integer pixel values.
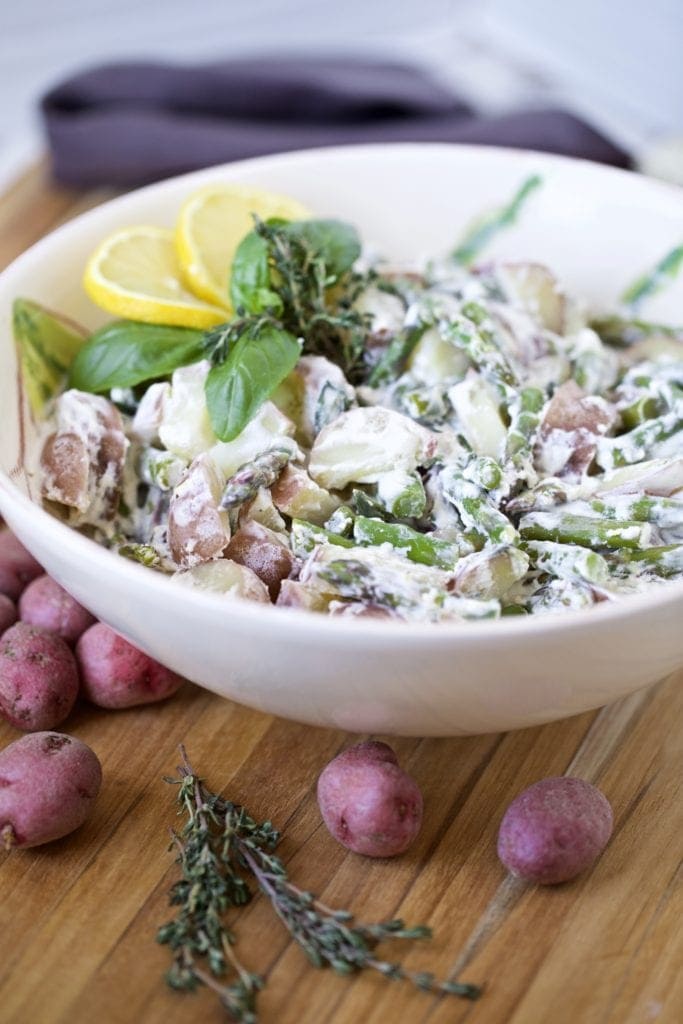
(127, 124)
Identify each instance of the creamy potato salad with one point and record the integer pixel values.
(435, 443)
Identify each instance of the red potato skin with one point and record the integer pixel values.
(554, 830)
(368, 803)
(17, 565)
(114, 674)
(8, 613)
(48, 784)
(254, 547)
(44, 603)
(38, 678)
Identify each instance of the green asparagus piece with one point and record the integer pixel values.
(304, 537)
(410, 502)
(665, 560)
(341, 521)
(650, 283)
(143, 553)
(475, 510)
(354, 579)
(160, 468)
(547, 494)
(666, 513)
(479, 345)
(645, 408)
(638, 444)
(427, 405)
(568, 528)
(595, 370)
(622, 332)
(419, 547)
(560, 595)
(395, 356)
(567, 561)
(365, 505)
(389, 586)
(481, 233)
(484, 472)
(513, 609)
(526, 418)
(262, 471)
(332, 402)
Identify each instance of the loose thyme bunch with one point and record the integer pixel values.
(218, 846)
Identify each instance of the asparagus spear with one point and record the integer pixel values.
(638, 444)
(666, 513)
(419, 547)
(567, 561)
(665, 560)
(484, 230)
(569, 528)
(475, 509)
(304, 537)
(396, 354)
(391, 582)
(644, 408)
(485, 472)
(622, 332)
(341, 521)
(653, 281)
(471, 333)
(559, 595)
(262, 471)
(160, 468)
(526, 418)
(547, 494)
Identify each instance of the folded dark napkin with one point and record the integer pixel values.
(126, 124)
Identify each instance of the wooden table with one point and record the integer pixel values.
(78, 918)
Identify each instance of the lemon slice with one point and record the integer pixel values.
(135, 274)
(211, 225)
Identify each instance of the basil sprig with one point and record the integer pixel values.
(256, 364)
(126, 353)
(250, 290)
(280, 278)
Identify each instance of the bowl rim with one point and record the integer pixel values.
(318, 627)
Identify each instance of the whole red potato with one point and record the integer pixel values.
(48, 784)
(44, 603)
(115, 674)
(38, 678)
(554, 830)
(8, 613)
(17, 565)
(369, 804)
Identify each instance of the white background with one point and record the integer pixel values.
(617, 61)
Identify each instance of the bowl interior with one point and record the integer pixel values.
(597, 228)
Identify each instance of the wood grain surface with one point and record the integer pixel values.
(78, 917)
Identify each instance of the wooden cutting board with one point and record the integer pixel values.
(78, 917)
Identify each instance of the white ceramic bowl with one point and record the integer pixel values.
(597, 228)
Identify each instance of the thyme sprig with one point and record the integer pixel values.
(317, 304)
(217, 847)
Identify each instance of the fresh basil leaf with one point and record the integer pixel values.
(126, 353)
(250, 290)
(237, 388)
(336, 242)
(47, 344)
